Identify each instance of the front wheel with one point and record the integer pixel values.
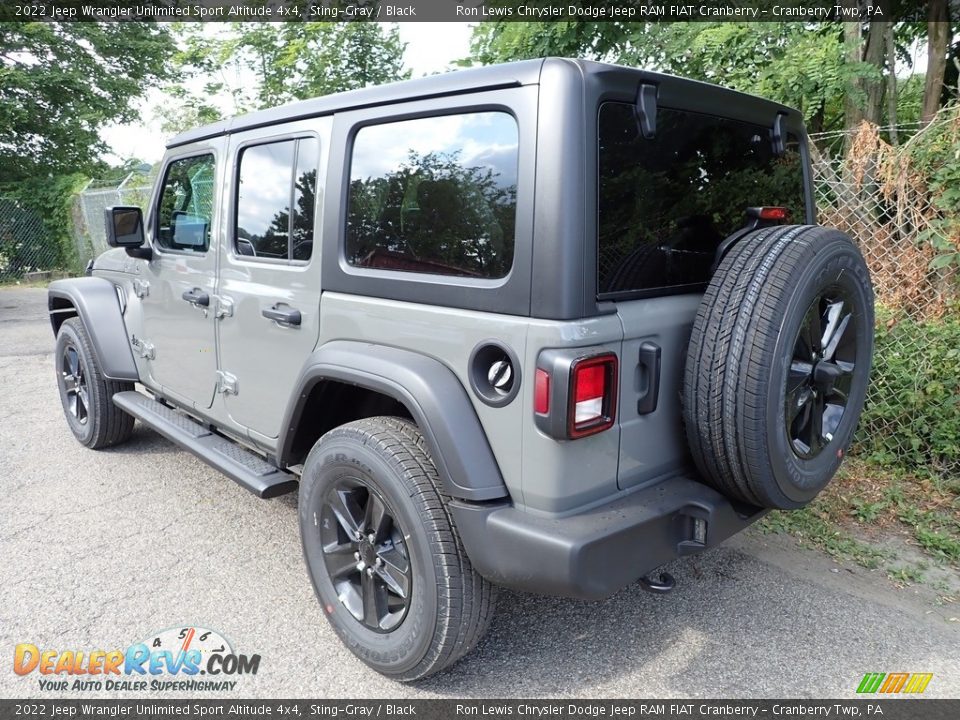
(384, 556)
(87, 396)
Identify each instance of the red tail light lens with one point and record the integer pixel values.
(541, 392)
(593, 395)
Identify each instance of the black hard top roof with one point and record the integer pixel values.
(524, 72)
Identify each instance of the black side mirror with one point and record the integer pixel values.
(124, 226)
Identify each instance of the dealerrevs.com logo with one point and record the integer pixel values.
(177, 659)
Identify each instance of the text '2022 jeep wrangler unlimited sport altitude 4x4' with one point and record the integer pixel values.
(539, 325)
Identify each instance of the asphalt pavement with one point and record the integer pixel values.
(99, 550)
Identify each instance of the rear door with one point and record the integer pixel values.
(269, 291)
(665, 204)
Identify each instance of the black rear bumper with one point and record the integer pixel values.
(595, 553)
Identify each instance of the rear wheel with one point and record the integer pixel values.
(778, 365)
(384, 556)
(87, 396)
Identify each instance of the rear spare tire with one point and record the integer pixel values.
(778, 364)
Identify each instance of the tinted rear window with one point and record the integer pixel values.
(666, 203)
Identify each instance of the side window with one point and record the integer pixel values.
(185, 212)
(272, 179)
(435, 195)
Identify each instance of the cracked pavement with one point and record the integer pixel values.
(100, 549)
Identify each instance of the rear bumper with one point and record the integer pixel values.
(595, 553)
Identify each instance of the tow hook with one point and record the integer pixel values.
(661, 586)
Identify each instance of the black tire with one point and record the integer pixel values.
(448, 606)
(87, 396)
(766, 426)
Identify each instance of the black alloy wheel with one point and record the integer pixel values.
(365, 555)
(821, 373)
(74, 384)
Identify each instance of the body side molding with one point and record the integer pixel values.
(94, 299)
(431, 393)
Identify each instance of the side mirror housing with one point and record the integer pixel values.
(124, 229)
(124, 225)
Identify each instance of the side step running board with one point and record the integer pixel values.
(246, 468)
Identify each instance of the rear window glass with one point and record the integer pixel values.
(435, 195)
(665, 204)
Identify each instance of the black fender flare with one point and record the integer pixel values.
(432, 394)
(95, 301)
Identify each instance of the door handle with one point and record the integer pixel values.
(196, 296)
(282, 313)
(650, 369)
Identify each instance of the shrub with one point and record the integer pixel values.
(912, 416)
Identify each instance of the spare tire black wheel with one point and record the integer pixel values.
(778, 364)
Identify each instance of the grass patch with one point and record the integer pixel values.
(8, 284)
(864, 503)
(906, 575)
(812, 526)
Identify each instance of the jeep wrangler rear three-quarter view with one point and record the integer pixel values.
(547, 325)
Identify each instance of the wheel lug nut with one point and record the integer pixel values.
(361, 566)
(379, 562)
(356, 556)
(372, 538)
(369, 572)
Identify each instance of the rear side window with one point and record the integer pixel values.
(435, 195)
(185, 211)
(665, 204)
(272, 179)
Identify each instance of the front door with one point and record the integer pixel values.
(270, 271)
(179, 294)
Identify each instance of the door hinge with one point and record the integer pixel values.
(145, 349)
(141, 288)
(224, 307)
(226, 383)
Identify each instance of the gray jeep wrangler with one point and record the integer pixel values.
(544, 325)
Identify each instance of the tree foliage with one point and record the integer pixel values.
(286, 61)
(61, 83)
(835, 81)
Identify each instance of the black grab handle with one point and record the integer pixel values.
(196, 296)
(650, 368)
(282, 314)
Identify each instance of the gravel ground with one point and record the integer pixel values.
(101, 549)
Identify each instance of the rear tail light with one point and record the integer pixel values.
(593, 395)
(575, 391)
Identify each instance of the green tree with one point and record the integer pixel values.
(794, 63)
(836, 73)
(290, 61)
(61, 83)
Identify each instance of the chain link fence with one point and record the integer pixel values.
(26, 249)
(89, 233)
(886, 199)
